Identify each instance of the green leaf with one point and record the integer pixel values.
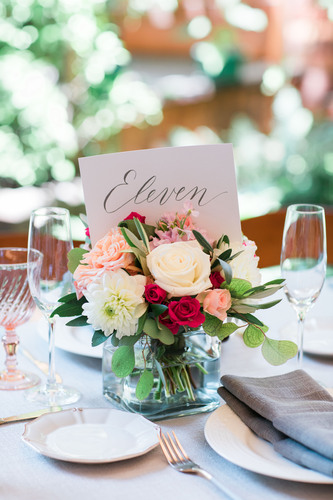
(262, 294)
(235, 255)
(142, 233)
(277, 352)
(238, 287)
(68, 298)
(79, 321)
(226, 254)
(123, 361)
(114, 339)
(203, 242)
(158, 309)
(253, 336)
(131, 340)
(224, 239)
(133, 241)
(144, 385)
(215, 328)
(130, 224)
(243, 307)
(74, 258)
(160, 332)
(98, 338)
(68, 309)
(249, 318)
(160, 371)
(226, 269)
(141, 322)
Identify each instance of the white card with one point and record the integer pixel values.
(154, 181)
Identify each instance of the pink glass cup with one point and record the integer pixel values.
(16, 307)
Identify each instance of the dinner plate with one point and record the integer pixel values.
(318, 335)
(91, 435)
(76, 340)
(234, 441)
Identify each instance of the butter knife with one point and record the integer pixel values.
(28, 416)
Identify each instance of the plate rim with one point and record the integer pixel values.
(311, 476)
(42, 449)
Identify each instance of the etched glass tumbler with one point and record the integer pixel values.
(16, 307)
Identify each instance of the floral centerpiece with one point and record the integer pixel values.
(148, 288)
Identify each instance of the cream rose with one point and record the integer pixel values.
(180, 268)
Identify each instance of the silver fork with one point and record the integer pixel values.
(179, 460)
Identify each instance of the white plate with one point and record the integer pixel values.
(76, 340)
(318, 335)
(91, 435)
(234, 441)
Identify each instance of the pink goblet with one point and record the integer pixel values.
(16, 307)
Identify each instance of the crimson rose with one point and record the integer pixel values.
(135, 215)
(155, 294)
(186, 311)
(216, 279)
(166, 321)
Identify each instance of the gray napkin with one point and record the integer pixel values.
(291, 411)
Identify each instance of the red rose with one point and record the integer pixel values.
(165, 320)
(186, 311)
(155, 294)
(216, 279)
(87, 232)
(135, 215)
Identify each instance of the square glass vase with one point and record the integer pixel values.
(187, 385)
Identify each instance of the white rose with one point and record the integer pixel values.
(180, 268)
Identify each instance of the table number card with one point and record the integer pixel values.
(154, 181)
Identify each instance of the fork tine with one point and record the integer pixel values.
(178, 450)
(180, 446)
(165, 450)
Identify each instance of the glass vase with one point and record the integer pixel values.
(188, 383)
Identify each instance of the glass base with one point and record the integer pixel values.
(57, 395)
(18, 380)
(198, 362)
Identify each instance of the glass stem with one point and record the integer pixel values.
(51, 379)
(300, 336)
(10, 342)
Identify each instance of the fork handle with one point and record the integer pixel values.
(206, 475)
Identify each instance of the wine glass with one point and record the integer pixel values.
(303, 261)
(16, 307)
(50, 235)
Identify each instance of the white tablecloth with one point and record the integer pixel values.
(25, 474)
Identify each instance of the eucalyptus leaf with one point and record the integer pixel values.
(114, 339)
(131, 340)
(158, 309)
(123, 361)
(68, 309)
(74, 258)
(253, 336)
(160, 371)
(160, 332)
(98, 338)
(277, 352)
(215, 328)
(144, 385)
(141, 322)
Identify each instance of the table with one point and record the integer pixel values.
(27, 475)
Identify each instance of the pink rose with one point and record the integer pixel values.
(216, 279)
(217, 302)
(155, 294)
(133, 215)
(186, 311)
(107, 255)
(87, 232)
(165, 320)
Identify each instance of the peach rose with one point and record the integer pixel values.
(107, 255)
(217, 302)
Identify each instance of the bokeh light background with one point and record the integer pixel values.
(84, 77)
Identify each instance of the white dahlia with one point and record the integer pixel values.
(115, 302)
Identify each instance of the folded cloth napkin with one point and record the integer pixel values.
(292, 411)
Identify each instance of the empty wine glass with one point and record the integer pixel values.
(50, 235)
(16, 307)
(303, 261)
